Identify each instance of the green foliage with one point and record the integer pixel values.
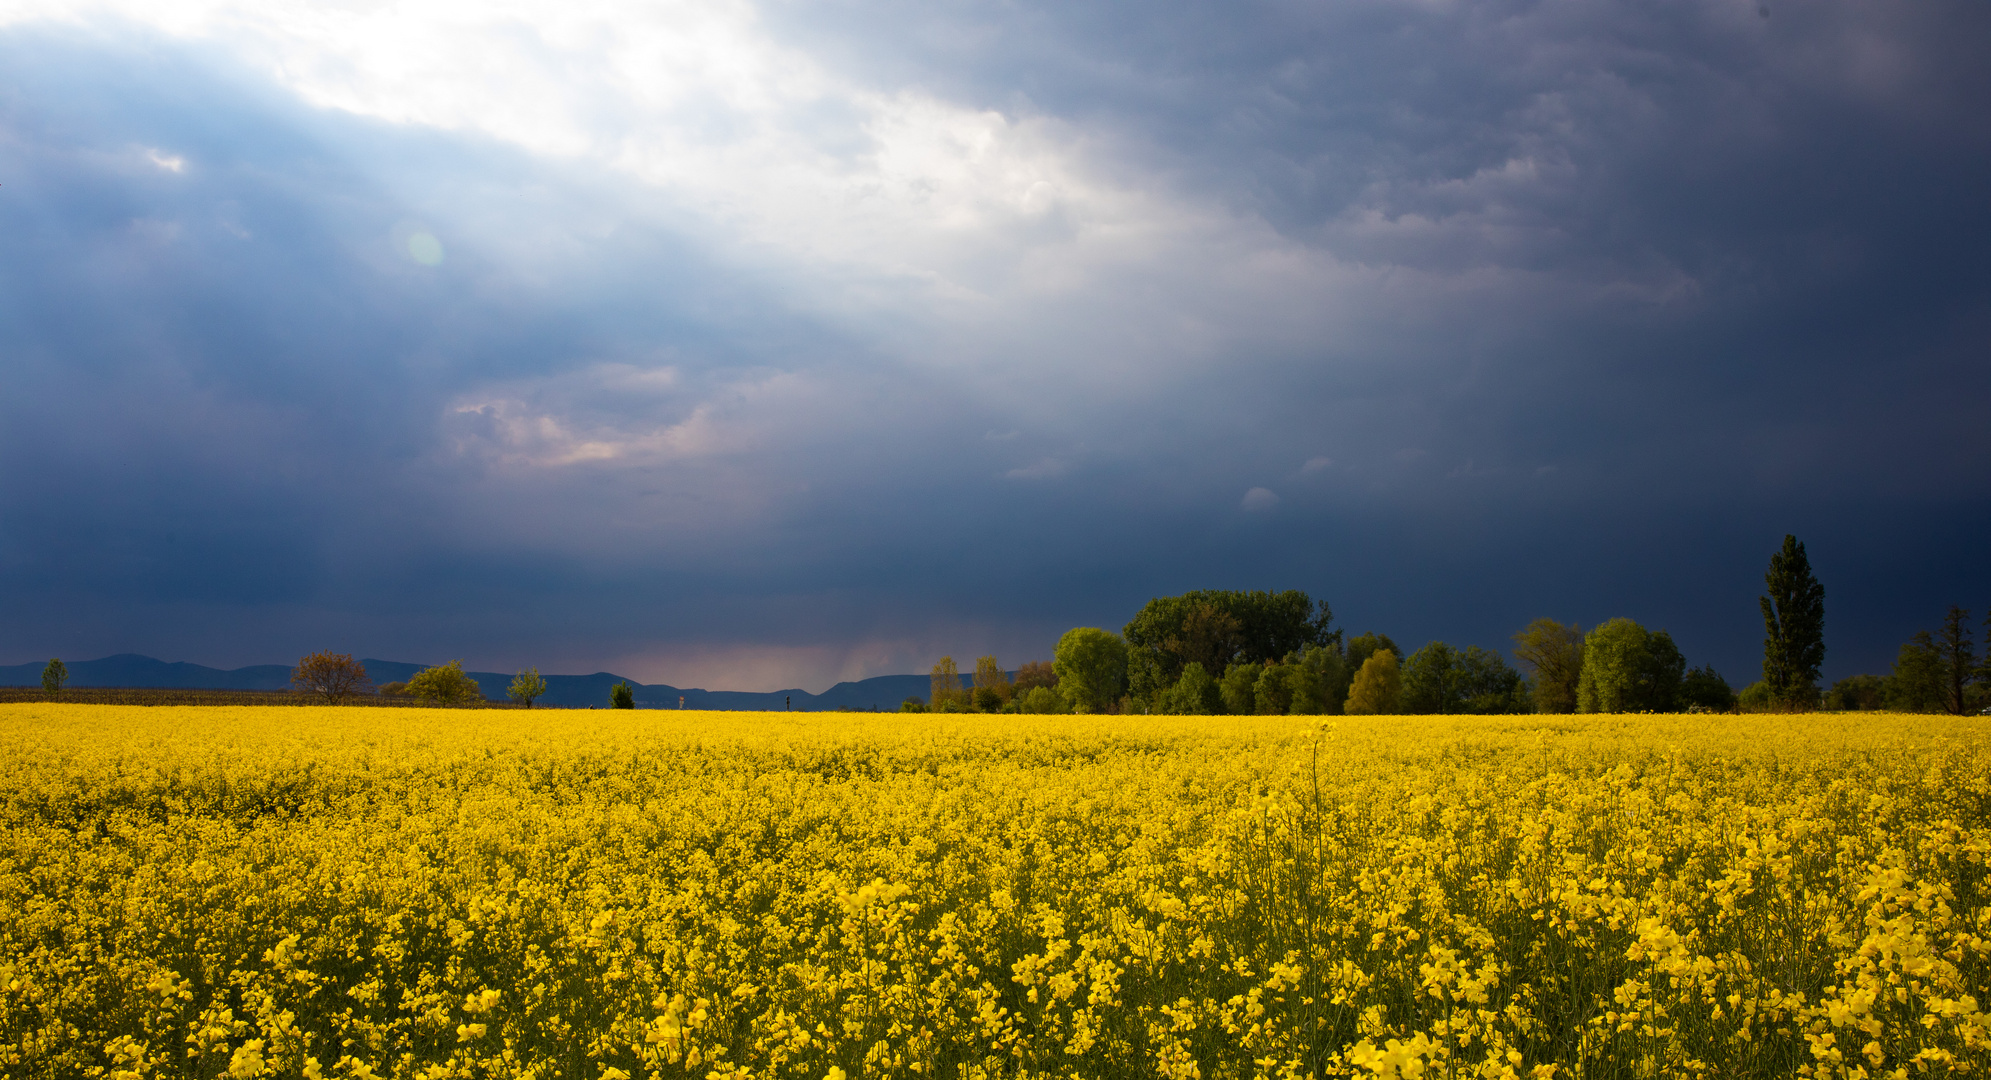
(992, 687)
(1552, 654)
(1216, 628)
(53, 676)
(1705, 689)
(622, 696)
(1362, 648)
(912, 704)
(1042, 701)
(1378, 686)
(1239, 689)
(445, 684)
(1091, 665)
(1857, 693)
(528, 687)
(1441, 679)
(1196, 693)
(946, 694)
(1793, 627)
(1758, 697)
(1321, 684)
(1627, 668)
(1916, 684)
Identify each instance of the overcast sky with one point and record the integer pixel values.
(761, 346)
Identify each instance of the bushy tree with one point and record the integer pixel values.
(1793, 627)
(992, 687)
(1194, 694)
(332, 676)
(1362, 647)
(1857, 693)
(1916, 683)
(1327, 685)
(53, 676)
(1552, 654)
(1033, 674)
(1092, 668)
(622, 696)
(1441, 679)
(1042, 701)
(1378, 686)
(1703, 687)
(1239, 688)
(1216, 628)
(529, 686)
(444, 684)
(1627, 668)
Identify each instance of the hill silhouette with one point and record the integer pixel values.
(882, 692)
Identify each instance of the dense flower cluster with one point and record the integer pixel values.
(378, 893)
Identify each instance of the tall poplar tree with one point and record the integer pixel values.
(1793, 627)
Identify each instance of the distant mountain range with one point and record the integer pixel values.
(884, 692)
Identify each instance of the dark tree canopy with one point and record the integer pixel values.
(1552, 652)
(1794, 627)
(1956, 660)
(1440, 679)
(332, 676)
(1218, 628)
(1362, 647)
(1704, 686)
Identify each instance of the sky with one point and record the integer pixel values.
(754, 346)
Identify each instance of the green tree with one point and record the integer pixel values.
(622, 696)
(1627, 668)
(1043, 701)
(529, 686)
(53, 676)
(1196, 693)
(1956, 657)
(1427, 680)
(1092, 668)
(1441, 679)
(1215, 628)
(1325, 685)
(1035, 673)
(332, 676)
(1916, 683)
(1238, 690)
(1857, 693)
(1365, 646)
(1378, 686)
(444, 684)
(1272, 694)
(1793, 627)
(992, 688)
(1704, 687)
(945, 694)
(1552, 653)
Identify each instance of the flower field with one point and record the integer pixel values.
(283, 891)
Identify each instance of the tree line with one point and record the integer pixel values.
(1256, 652)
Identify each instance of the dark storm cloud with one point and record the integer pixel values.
(1455, 315)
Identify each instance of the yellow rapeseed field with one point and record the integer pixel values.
(207, 892)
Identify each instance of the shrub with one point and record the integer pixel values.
(445, 684)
